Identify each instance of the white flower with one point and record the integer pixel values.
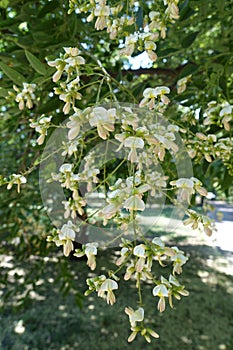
(149, 98)
(178, 260)
(193, 219)
(186, 187)
(208, 225)
(134, 203)
(139, 251)
(150, 47)
(161, 291)
(172, 10)
(226, 110)
(103, 119)
(158, 241)
(66, 236)
(133, 143)
(68, 94)
(157, 23)
(16, 179)
(174, 281)
(107, 287)
(102, 12)
(162, 91)
(226, 113)
(135, 316)
(74, 124)
(41, 126)
(91, 252)
(66, 168)
(124, 252)
(67, 231)
(71, 51)
(59, 64)
(69, 62)
(197, 185)
(182, 84)
(130, 42)
(150, 94)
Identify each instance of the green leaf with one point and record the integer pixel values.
(4, 4)
(49, 106)
(227, 180)
(36, 64)
(12, 74)
(223, 85)
(3, 92)
(189, 39)
(49, 7)
(186, 11)
(188, 69)
(166, 52)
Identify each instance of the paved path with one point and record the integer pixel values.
(223, 238)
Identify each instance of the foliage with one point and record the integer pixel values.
(68, 78)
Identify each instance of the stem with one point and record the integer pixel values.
(139, 290)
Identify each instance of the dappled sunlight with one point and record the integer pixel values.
(19, 327)
(186, 340)
(206, 277)
(56, 316)
(5, 261)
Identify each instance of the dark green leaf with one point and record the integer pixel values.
(227, 180)
(12, 74)
(166, 52)
(189, 39)
(188, 69)
(36, 64)
(50, 106)
(49, 7)
(186, 12)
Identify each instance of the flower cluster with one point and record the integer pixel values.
(26, 96)
(150, 95)
(187, 187)
(196, 220)
(138, 260)
(144, 36)
(211, 149)
(143, 42)
(41, 126)
(104, 287)
(142, 144)
(166, 289)
(64, 237)
(138, 316)
(68, 64)
(220, 114)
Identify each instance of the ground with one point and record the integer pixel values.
(202, 321)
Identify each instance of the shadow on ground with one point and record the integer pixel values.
(202, 321)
